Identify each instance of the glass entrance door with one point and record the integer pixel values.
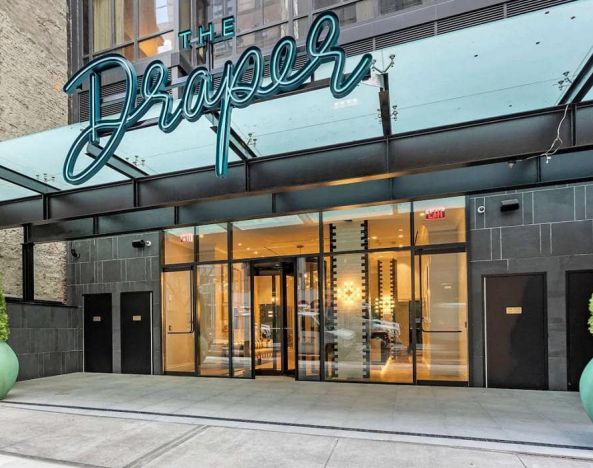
(273, 308)
(441, 317)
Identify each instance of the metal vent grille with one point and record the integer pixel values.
(518, 7)
(358, 47)
(404, 35)
(472, 18)
(108, 90)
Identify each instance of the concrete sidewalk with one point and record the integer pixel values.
(512, 421)
(50, 439)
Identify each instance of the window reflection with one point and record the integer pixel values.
(441, 309)
(178, 245)
(213, 319)
(212, 242)
(241, 296)
(178, 322)
(308, 318)
(155, 16)
(382, 226)
(156, 45)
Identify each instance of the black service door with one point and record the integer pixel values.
(516, 337)
(579, 287)
(97, 333)
(135, 333)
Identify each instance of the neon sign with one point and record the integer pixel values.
(209, 35)
(435, 213)
(200, 96)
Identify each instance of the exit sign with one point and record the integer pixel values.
(434, 213)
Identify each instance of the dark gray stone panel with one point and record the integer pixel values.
(104, 248)
(480, 245)
(136, 269)
(528, 207)
(112, 271)
(554, 205)
(579, 202)
(572, 238)
(52, 364)
(520, 241)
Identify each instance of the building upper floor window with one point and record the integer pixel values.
(134, 28)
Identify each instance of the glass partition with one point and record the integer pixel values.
(308, 318)
(213, 319)
(379, 227)
(273, 237)
(178, 245)
(441, 293)
(439, 221)
(241, 307)
(178, 322)
(212, 242)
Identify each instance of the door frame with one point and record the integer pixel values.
(567, 319)
(545, 315)
(284, 347)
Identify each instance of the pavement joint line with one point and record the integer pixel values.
(308, 426)
(166, 447)
(54, 461)
(331, 452)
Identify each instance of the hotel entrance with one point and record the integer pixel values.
(274, 298)
(364, 294)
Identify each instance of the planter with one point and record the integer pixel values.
(586, 389)
(9, 369)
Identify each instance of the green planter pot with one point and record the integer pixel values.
(9, 369)
(586, 389)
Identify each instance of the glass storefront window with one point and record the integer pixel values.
(274, 237)
(155, 16)
(212, 242)
(441, 311)
(178, 322)
(374, 227)
(213, 319)
(178, 245)
(264, 39)
(308, 318)
(367, 325)
(389, 6)
(124, 21)
(102, 22)
(156, 45)
(439, 221)
(241, 308)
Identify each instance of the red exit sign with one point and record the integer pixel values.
(434, 213)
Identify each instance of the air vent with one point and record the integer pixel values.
(518, 7)
(358, 47)
(404, 35)
(472, 18)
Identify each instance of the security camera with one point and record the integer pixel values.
(141, 243)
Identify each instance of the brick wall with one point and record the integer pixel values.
(47, 339)
(33, 69)
(551, 232)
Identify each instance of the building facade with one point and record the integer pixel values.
(424, 229)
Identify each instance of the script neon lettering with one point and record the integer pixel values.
(201, 96)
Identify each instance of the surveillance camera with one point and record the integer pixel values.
(141, 243)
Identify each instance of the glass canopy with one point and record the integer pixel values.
(519, 64)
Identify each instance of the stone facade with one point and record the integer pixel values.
(552, 233)
(11, 269)
(47, 339)
(33, 66)
(33, 69)
(112, 265)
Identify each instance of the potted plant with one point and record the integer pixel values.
(9, 364)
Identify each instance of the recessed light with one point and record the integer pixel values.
(239, 244)
(401, 236)
(374, 237)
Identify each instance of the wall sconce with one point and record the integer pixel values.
(74, 253)
(349, 292)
